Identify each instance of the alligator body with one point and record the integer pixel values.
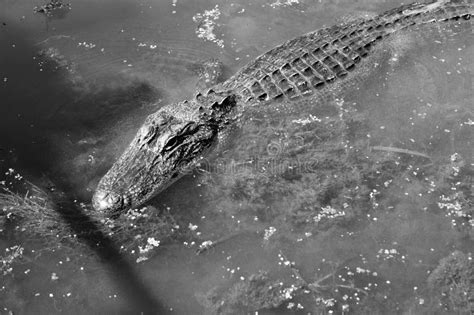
(298, 72)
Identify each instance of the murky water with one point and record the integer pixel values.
(344, 209)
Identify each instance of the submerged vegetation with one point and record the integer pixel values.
(300, 181)
(452, 281)
(34, 216)
(341, 288)
(256, 292)
(312, 174)
(306, 179)
(333, 288)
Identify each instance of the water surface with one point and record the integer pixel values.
(374, 188)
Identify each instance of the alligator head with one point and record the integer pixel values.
(165, 147)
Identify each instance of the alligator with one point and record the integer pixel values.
(299, 72)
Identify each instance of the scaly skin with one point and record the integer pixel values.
(294, 74)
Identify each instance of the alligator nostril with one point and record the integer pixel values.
(105, 201)
(99, 201)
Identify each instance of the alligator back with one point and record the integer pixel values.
(302, 67)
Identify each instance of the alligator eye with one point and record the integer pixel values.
(190, 128)
(180, 136)
(172, 143)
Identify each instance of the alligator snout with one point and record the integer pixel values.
(106, 201)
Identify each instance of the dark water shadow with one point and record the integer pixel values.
(27, 95)
(128, 281)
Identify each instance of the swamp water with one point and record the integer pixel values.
(362, 206)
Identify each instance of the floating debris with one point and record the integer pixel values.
(145, 250)
(328, 213)
(284, 3)
(457, 207)
(86, 45)
(305, 121)
(54, 277)
(391, 254)
(206, 25)
(12, 255)
(50, 7)
(269, 232)
(192, 227)
(205, 245)
(469, 122)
